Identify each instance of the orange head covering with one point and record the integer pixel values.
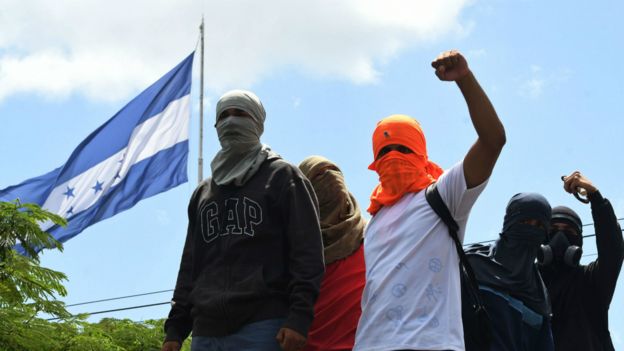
(400, 173)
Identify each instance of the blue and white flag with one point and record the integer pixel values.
(140, 152)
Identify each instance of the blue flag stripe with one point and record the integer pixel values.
(138, 153)
(155, 134)
(34, 190)
(165, 170)
(114, 134)
(110, 137)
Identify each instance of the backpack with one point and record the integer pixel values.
(476, 321)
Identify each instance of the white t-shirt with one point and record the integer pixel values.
(412, 296)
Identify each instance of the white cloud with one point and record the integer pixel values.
(163, 218)
(296, 102)
(108, 49)
(207, 105)
(533, 86)
(476, 53)
(537, 83)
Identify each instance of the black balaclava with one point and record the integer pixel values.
(563, 249)
(509, 264)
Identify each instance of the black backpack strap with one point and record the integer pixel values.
(432, 194)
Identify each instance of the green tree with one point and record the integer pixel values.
(27, 290)
(130, 335)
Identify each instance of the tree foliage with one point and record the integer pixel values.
(28, 290)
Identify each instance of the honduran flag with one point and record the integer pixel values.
(140, 152)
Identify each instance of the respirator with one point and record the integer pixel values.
(559, 250)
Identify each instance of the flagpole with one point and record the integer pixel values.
(200, 161)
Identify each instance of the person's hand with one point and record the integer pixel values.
(450, 66)
(577, 180)
(290, 340)
(171, 346)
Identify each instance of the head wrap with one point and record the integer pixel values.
(525, 206)
(246, 101)
(400, 173)
(558, 275)
(342, 224)
(563, 214)
(509, 264)
(241, 153)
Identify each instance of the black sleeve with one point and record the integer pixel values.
(305, 250)
(179, 324)
(603, 272)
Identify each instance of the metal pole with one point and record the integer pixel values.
(201, 107)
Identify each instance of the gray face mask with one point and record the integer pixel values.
(238, 134)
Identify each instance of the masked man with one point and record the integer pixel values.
(412, 294)
(252, 262)
(581, 294)
(512, 289)
(337, 309)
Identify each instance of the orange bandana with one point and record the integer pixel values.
(400, 173)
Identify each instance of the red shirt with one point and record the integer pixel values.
(337, 310)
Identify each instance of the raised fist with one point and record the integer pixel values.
(576, 180)
(450, 66)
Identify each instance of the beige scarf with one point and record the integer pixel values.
(342, 224)
(241, 153)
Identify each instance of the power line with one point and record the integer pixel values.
(585, 225)
(119, 298)
(120, 309)
(157, 304)
(584, 236)
(170, 290)
(493, 240)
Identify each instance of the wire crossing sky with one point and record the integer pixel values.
(326, 73)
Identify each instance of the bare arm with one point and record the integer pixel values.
(481, 158)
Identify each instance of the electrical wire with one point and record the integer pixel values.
(119, 298)
(119, 309)
(170, 290)
(584, 236)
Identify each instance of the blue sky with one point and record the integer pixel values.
(326, 73)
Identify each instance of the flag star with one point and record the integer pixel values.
(117, 176)
(97, 187)
(70, 211)
(70, 192)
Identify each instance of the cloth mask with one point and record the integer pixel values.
(509, 264)
(237, 134)
(342, 224)
(400, 173)
(241, 153)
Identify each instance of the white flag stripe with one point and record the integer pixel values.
(155, 134)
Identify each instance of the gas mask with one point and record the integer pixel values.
(559, 251)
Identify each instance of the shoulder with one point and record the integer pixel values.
(452, 185)
(453, 176)
(203, 189)
(282, 170)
